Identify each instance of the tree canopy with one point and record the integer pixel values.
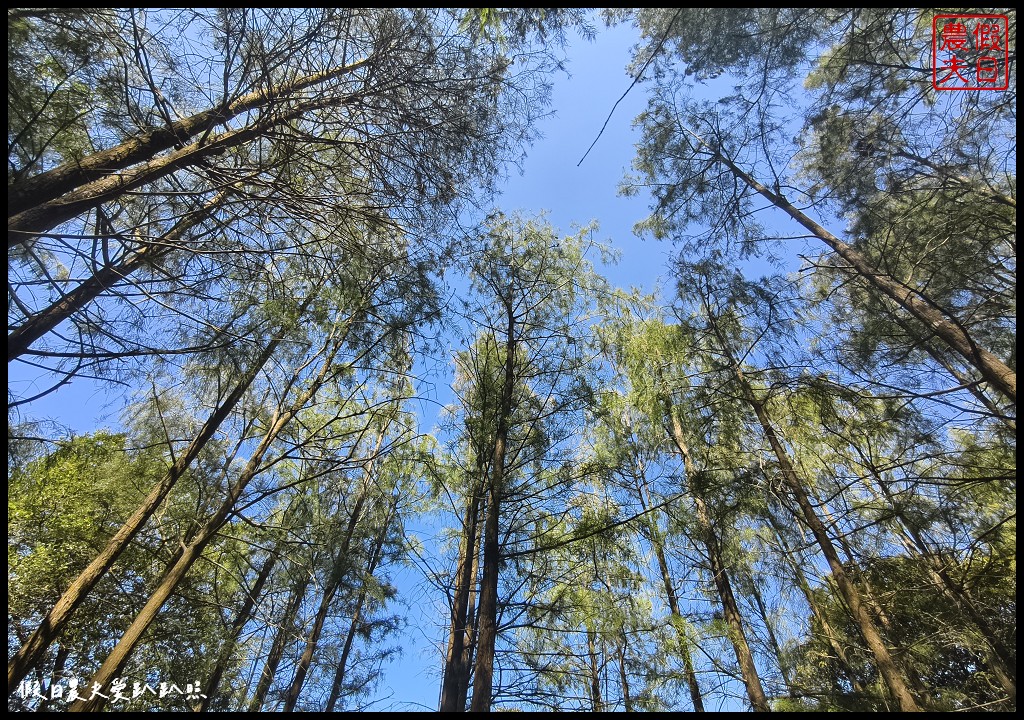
(366, 407)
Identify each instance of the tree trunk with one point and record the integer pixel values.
(826, 627)
(627, 701)
(684, 643)
(999, 657)
(331, 588)
(21, 338)
(55, 676)
(596, 704)
(339, 673)
(465, 672)
(989, 366)
(282, 637)
(772, 639)
(245, 614)
(658, 544)
(114, 663)
(730, 609)
(894, 676)
(488, 612)
(39, 203)
(58, 616)
(455, 671)
(957, 374)
(292, 694)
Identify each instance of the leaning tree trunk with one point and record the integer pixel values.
(375, 556)
(20, 339)
(730, 608)
(1001, 660)
(895, 677)
(997, 373)
(242, 618)
(40, 203)
(773, 639)
(331, 588)
(112, 666)
(816, 612)
(31, 652)
(282, 637)
(658, 544)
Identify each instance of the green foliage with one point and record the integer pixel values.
(56, 73)
(941, 645)
(625, 436)
(63, 507)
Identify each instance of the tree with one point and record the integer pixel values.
(524, 378)
(716, 295)
(63, 508)
(355, 324)
(651, 354)
(57, 617)
(704, 160)
(318, 118)
(949, 662)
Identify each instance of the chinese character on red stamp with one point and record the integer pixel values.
(970, 52)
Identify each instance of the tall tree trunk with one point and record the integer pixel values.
(895, 677)
(455, 669)
(488, 612)
(772, 639)
(472, 631)
(242, 618)
(52, 184)
(63, 652)
(970, 384)
(872, 600)
(730, 608)
(114, 663)
(658, 544)
(291, 696)
(596, 704)
(487, 621)
(997, 373)
(627, 701)
(21, 338)
(282, 637)
(45, 216)
(331, 588)
(57, 618)
(684, 642)
(54, 197)
(816, 613)
(339, 673)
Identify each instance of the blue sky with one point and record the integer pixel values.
(552, 181)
